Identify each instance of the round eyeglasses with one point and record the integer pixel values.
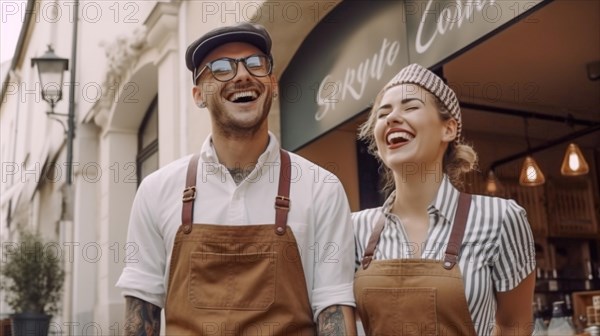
(224, 69)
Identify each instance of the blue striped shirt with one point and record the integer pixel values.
(497, 251)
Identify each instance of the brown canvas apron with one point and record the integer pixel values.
(237, 280)
(414, 296)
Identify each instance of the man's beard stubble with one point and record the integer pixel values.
(233, 129)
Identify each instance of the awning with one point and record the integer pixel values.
(12, 192)
(28, 179)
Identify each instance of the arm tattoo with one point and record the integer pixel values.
(331, 322)
(141, 318)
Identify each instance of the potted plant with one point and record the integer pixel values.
(32, 278)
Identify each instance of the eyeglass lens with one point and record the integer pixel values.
(224, 69)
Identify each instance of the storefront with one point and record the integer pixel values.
(346, 59)
(330, 83)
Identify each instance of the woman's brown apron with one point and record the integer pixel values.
(414, 296)
(237, 280)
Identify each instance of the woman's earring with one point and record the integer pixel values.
(274, 95)
(201, 104)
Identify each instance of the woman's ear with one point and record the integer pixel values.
(449, 130)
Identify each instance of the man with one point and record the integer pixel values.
(242, 238)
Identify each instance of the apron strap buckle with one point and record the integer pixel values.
(282, 207)
(282, 202)
(189, 194)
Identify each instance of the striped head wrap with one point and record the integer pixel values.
(416, 74)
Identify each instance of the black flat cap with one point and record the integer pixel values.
(254, 34)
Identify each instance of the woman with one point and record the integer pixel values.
(431, 260)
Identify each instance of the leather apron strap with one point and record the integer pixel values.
(282, 200)
(373, 241)
(454, 243)
(458, 230)
(189, 194)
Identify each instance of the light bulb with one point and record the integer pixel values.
(531, 175)
(574, 162)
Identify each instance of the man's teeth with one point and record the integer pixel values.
(243, 95)
(398, 137)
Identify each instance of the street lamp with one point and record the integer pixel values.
(51, 69)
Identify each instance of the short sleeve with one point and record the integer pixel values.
(143, 275)
(516, 249)
(334, 271)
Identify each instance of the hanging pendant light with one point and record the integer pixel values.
(531, 174)
(492, 186)
(574, 163)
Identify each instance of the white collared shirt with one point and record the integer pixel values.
(319, 218)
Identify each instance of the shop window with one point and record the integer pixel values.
(147, 157)
(370, 179)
